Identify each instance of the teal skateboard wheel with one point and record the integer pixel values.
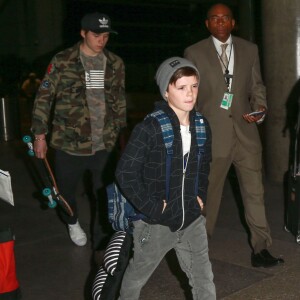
(26, 139)
(30, 152)
(46, 192)
(52, 204)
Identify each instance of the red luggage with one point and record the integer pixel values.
(9, 285)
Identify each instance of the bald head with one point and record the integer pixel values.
(220, 21)
(218, 6)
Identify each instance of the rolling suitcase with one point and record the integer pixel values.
(9, 284)
(292, 215)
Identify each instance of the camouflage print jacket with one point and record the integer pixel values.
(64, 87)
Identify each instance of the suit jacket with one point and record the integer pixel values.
(247, 87)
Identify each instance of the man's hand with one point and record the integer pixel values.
(257, 116)
(40, 146)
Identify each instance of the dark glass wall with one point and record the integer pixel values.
(150, 31)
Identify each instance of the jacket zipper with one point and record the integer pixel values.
(184, 164)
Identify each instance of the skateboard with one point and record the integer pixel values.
(51, 192)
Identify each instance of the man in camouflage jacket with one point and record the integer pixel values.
(83, 95)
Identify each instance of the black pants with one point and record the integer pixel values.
(69, 171)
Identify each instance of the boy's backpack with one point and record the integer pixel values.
(120, 212)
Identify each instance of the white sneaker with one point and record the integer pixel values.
(77, 234)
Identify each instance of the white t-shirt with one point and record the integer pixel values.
(186, 138)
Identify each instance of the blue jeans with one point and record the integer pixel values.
(151, 244)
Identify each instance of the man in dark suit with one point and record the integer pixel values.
(231, 88)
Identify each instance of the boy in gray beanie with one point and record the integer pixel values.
(170, 200)
(167, 69)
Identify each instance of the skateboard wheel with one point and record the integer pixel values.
(46, 192)
(298, 239)
(26, 138)
(286, 229)
(52, 204)
(30, 152)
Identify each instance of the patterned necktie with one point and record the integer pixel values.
(224, 59)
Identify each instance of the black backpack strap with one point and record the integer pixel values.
(201, 139)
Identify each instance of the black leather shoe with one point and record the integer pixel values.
(265, 259)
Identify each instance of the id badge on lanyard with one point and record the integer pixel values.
(227, 100)
(228, 96)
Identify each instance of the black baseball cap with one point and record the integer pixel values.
(97, 23)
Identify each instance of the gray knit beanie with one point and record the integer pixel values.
(166, 70)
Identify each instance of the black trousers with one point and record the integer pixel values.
(69, 170)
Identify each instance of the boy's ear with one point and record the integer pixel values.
(166, 95)
(82, 33)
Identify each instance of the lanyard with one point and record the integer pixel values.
(227, 76)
